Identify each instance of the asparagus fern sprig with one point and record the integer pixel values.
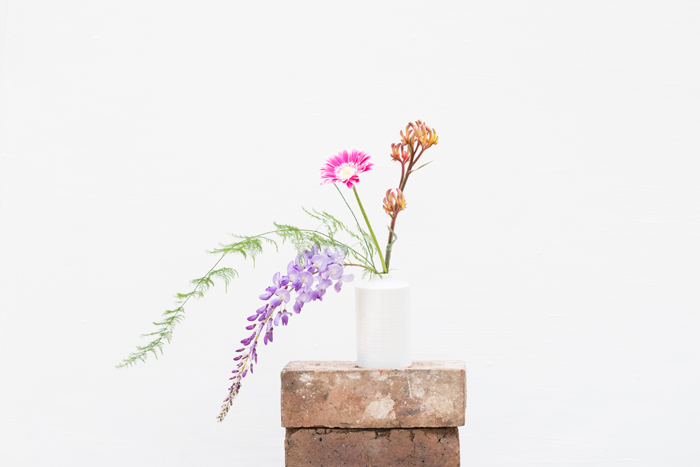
(249, 247)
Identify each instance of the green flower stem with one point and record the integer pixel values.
(362, 266)
(369, 226)
(368, 247)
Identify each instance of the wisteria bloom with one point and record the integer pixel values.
(345, 168)
(307, 269)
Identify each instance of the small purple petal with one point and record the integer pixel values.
(336, 257)
(320, 261)
(307, 279)
(345, 278)
(336, 270)
(248, 340)
(283, 295)
(324, 284)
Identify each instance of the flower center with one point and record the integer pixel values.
(345, 171)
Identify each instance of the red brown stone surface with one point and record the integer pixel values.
(340, 395)
(332, 447)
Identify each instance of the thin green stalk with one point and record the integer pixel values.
(359, 227)
(369, 226)
(348, 205)
(362, 266)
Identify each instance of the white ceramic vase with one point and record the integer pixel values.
(383, 317)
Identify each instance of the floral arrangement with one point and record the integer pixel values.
(323, 255)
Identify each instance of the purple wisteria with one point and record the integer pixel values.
(308, 277)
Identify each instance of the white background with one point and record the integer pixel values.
(553, 244)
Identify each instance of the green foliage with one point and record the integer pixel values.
(332, 226)
(249, 247)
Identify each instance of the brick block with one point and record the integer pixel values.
(332, 447)
(428, 394)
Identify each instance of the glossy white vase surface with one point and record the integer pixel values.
(383, 317)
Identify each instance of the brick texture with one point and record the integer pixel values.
(428, 394)
(329, 447)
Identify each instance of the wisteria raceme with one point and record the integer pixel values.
(319, 268)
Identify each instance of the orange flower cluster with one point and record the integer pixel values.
(394, 202)
(418, 133)
(415, 140)
(399, 153)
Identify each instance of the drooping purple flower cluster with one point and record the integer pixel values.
(308, 277)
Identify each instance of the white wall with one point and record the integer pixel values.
(553, 244)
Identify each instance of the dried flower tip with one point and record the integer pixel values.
(425, 135)
(394, 202)
(409, 138)
(399, 152)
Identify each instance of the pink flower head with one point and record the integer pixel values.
(345, 168)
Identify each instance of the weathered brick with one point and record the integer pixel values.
(406, 447)
(341, 395)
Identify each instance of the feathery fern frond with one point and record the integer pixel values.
(246, 247)
(333, 226)
(251, 247)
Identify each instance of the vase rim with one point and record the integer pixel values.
(385, 281)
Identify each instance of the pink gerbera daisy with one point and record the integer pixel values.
(345, 168)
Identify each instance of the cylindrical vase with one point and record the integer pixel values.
(383, 317)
